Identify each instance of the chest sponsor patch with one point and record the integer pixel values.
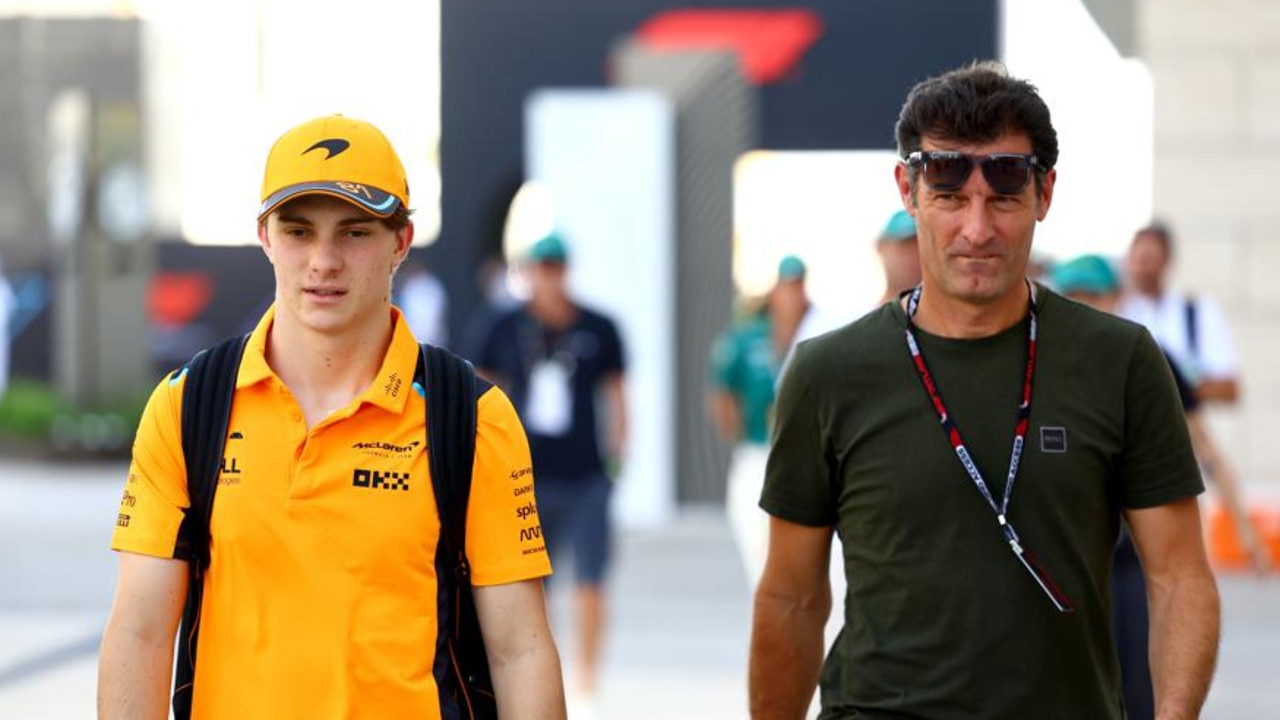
(1053, 439)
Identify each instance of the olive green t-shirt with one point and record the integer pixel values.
(941, 620)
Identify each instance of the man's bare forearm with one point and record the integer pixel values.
(133, 677)
(529, 685)
(1185, 617)
(1226, 391)
(786, 653)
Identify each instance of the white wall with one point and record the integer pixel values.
(607, 158)
(1216, 71)
(1101, 106)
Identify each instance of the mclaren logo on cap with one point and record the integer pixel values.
(335, 146)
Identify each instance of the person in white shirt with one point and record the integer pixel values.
(1191, 329)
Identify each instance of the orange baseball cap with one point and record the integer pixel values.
(338, 156)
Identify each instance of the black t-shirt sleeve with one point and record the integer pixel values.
(612, 357)
(1157, 465)
(798, 477)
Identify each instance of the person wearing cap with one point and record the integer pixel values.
(563, 365)
(321, 594)
(899, 255)
(975, 445)
(746, 358)
(1092, 280)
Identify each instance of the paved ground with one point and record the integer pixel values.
(680, 624)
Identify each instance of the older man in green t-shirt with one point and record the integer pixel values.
(975, 447)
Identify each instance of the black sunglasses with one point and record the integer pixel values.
(1006, 173)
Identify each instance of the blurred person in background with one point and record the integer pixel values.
(321, 594)
(899, 256)
(906, 431)
(496, 300)
(1191, 329)
(745, 360)
(425, 303)
(560, 361)
(1092, 280)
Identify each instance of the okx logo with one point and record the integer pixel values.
(377, 479)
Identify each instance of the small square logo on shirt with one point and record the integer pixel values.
(1053, 439)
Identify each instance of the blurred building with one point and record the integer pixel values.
(1190, 129)
(1216, 73)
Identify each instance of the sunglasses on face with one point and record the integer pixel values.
(1006, 173)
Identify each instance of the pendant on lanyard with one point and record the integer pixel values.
(1001, 510)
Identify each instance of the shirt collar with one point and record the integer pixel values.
(389, 390)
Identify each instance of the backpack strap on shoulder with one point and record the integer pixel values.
(209, 388)
(451, 441)
(452, 390)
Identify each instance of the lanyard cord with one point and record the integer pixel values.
(952, 431)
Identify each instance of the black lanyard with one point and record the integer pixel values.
(952, 431)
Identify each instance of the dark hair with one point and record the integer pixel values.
(974, 104)
(1160, 232)
(398, 220)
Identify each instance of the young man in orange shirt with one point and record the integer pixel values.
(322, 591)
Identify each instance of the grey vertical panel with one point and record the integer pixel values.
(99, 314)
(716, 122)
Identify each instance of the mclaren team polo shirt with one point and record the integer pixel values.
(320, 599)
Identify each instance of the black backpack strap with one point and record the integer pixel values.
(1189, 312)
(206, 411)
(461, 667)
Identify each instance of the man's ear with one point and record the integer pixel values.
(1045, 194)
(404, 241)
(902, 177)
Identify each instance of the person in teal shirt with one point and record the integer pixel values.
(745, 361)
(743, 371)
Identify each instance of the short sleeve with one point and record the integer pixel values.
(798, 477)
(1216, 351)
(1157, 465)
(504, 536)
(613, 359)
(155, 493)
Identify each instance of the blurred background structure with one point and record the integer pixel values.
(684, 147)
